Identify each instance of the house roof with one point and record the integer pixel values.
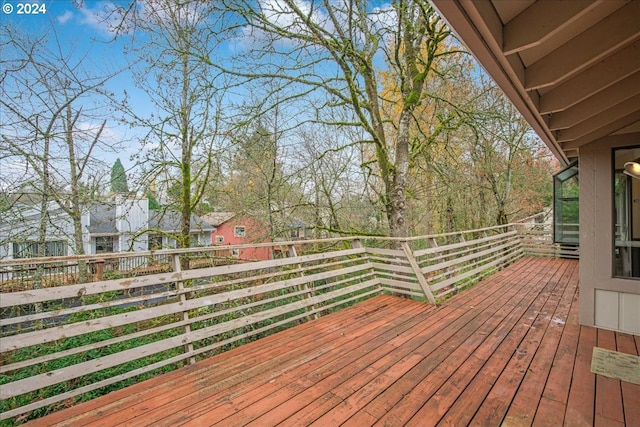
(571, 67)
(103, 219)
(216, 219)
(25, 215)
(169, 221)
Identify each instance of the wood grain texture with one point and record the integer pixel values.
(508, 350)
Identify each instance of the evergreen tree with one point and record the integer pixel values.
(119, 178)
(153, 202)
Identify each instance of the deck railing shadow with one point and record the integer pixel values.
(70, 341)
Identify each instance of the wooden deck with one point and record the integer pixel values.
(508, 351)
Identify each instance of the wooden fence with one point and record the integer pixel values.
(70, 341)
(537, 240)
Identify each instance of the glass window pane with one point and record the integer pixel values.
(626, 215)
(566, 205)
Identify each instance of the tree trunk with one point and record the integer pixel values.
(397, 203)
(316, 213)
(44, 217)
(185, 164)
(450, 221)
(501, 218)
(75, 210)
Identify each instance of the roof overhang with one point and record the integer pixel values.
(571, 67)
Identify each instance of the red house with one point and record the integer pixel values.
(232, 229)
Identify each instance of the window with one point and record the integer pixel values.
(219, 239)
(104, 244)
(239, 231)
(626, 215)
(155, 242)
(235, 253)
(31, 249)
(566, 205)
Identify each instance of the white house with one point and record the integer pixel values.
(124, 224)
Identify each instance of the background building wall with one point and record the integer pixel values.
(253, 234)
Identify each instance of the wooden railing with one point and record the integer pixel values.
(537, 240)
(445, 263)
(71, 340)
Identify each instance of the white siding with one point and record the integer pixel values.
(24, 227)
(132, 216)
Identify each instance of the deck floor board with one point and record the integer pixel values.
(507, 351)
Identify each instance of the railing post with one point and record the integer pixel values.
(434, 244)
(177, 267)
(416, 270)
(292, 253)
(99, 269)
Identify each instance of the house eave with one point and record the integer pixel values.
(521, 47)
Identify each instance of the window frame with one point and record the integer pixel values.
(236, 232)
(105, 239)
(52, 248)
(625, 255)
(573, 172)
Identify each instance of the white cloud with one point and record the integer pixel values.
(65, 17)
(109, 137)
(104, 17)
(190, 13)
(382, 20)
(281, 14)
(109, 17)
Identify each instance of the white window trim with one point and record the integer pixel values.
(235, 231)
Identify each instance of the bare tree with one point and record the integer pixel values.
(505, 154)
(262, 182)
(333, 180)
(53, 123)
(184, 131)
(333, 52)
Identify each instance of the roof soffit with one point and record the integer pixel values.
(571, 67)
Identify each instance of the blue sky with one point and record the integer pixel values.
(81, 30)
(80, 27)
(84, 30)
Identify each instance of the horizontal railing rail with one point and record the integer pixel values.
(93, 335)
(537, 240)
(42, 272)
(451, 267)
(71, 339)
